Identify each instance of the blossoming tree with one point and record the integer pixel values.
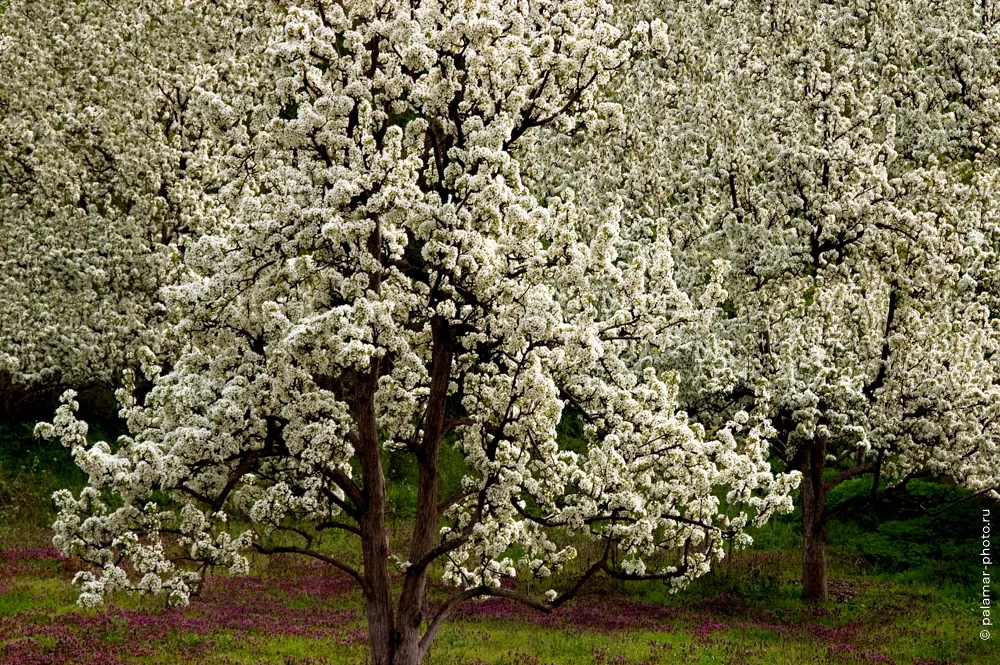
(379, 279)
(840, 159)
(107, 168)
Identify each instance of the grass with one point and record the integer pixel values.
(30, 471)
(903, 587)
(292, 612)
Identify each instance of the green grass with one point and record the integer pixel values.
(903, 585)
(894, 621)
(30, 471)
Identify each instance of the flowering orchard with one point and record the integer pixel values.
(837, 162)
(330, 231)
(373, 274)
(109, 164)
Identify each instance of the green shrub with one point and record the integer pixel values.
(926, 531)
(30, 471)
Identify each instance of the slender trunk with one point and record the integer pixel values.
(814, 587)
(411, 602)
(374, 534)
(382, 636)
(378, 604)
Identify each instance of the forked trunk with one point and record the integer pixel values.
(395, 639)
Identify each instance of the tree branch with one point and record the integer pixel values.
(350, 489)
(510, 594)
(336, 563)
(859, 470)
(338, 525)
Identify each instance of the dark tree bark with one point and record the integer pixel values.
(410, 615)
(813, 496)
(371, 519)
(374, 533)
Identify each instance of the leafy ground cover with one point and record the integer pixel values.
(903, 592)
(295, 612)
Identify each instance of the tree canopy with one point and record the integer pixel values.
(330, 231)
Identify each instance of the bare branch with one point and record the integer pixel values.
(336, 563)
(510, 594)
(338, 525)
(859, 470)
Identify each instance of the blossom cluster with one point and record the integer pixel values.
(841, 158)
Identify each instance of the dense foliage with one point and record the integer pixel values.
(841, 159)
(328, 234)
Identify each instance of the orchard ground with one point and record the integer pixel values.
(904, 590)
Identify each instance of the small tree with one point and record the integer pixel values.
(382, 279)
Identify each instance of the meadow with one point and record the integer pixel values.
(903, 591)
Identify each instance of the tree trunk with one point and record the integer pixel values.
(378, 603)
(425, 530)
(813, 492)
(374, 533)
